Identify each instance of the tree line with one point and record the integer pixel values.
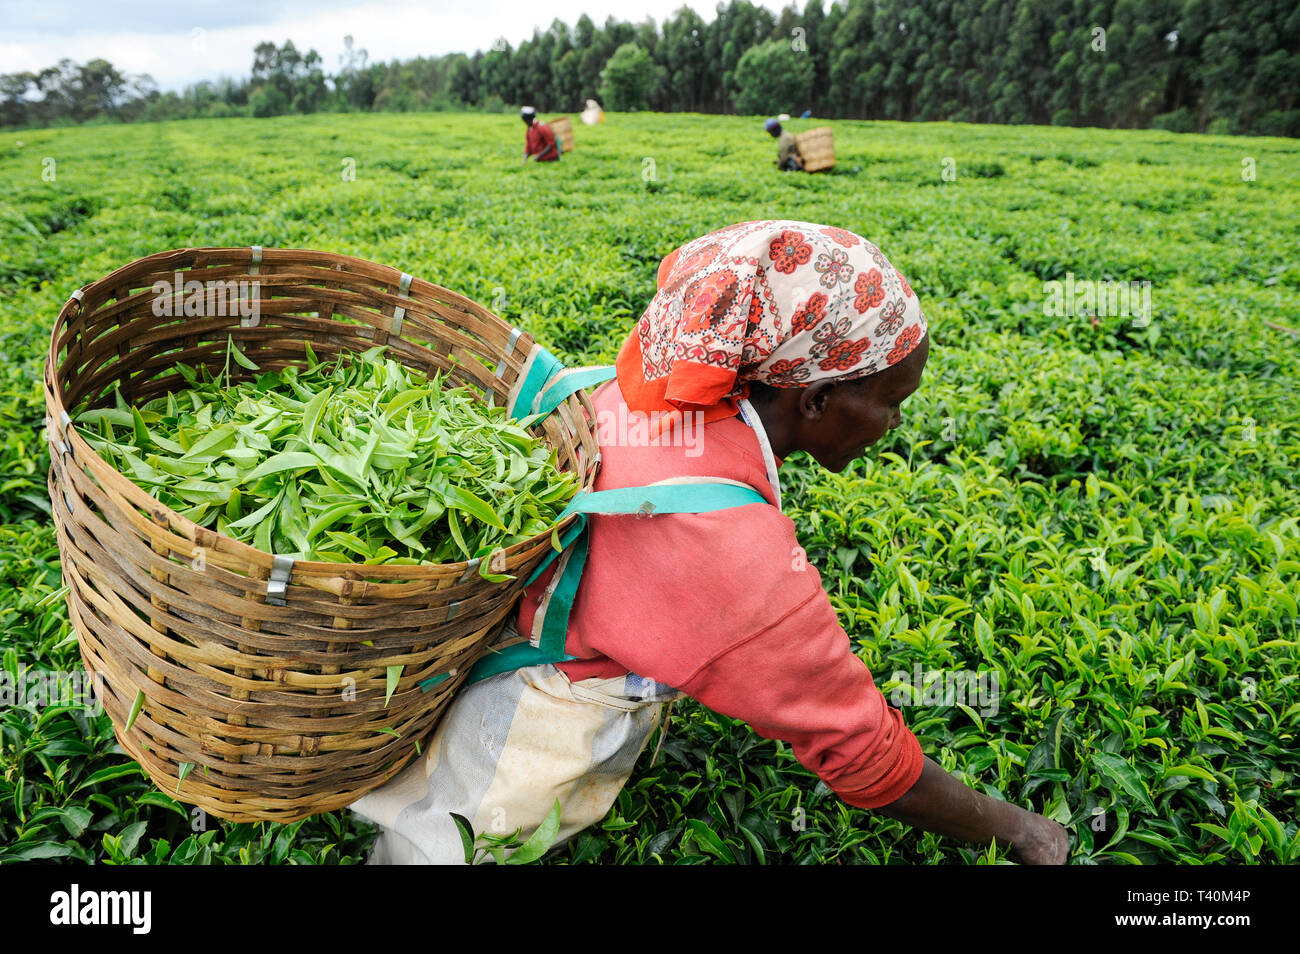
(1184, 65)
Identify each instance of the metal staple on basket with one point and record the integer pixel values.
(264, 679)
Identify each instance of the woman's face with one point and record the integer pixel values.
(840, 421)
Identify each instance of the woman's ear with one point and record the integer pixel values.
(812, 402)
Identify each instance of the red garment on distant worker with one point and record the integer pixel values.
(725, 607)
(539, 141)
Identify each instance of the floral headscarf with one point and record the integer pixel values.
(782, 302)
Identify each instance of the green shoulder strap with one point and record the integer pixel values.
(691, 495)
(546, 383)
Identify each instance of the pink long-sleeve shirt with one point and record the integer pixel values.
(725, 607)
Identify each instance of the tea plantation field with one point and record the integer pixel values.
(1101, 511)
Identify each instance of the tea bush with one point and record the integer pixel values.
(1096, 509)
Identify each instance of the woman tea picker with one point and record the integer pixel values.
(775, 337)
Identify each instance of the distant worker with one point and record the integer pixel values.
(787, 151)
(539, 142)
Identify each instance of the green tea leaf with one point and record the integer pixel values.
(290, 460)
(540, 841)
(136, 706)
(110, 773)
(260, 514)
(1124, 777)
(213, 442)
(466, 835)
(708, 840)
(311, 416)
(475, 506)
(238, 355)
(141, 431)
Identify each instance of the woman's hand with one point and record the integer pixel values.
(940, 803)
(1041, 842)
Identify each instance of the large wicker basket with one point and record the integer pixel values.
(816, 149)
(562, 126)
(264, 681)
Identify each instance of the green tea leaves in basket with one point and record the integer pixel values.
(359, 459)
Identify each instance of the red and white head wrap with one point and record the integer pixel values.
(782, 302)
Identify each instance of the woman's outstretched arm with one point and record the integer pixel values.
(940, 803)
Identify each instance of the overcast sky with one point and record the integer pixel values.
(182, 42)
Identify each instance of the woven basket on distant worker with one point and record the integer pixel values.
(816, 149)
(264, 681)
(562, 126)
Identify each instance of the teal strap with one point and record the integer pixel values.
(566, 538)
(545, 386)
(576, 380)
(658, 499)
(555, 627)
(642, 501)
(506, 660)
(543, 367)
(664, 498)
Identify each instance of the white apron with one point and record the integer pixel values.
(505, 750)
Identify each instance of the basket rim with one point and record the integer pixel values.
(321, 574)
(236, 252)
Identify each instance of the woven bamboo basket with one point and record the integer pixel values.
(817, 149)
(264, 680)
(562, 126)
